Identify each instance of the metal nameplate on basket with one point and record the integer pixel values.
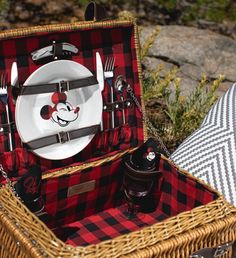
(81, 188)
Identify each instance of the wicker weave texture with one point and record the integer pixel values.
(207, 225)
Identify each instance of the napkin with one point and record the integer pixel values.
(28, 188)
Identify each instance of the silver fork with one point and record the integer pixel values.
(108, 75)
(4, 99)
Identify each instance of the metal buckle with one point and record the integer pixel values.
(222, 249)
(60, 86)
(63, 137)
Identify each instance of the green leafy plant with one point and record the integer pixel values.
(174, 115)
(81, 3)
(148, 43)
(211, 10)
(168, 5)
(4, 6)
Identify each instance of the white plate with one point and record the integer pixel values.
(31, 123)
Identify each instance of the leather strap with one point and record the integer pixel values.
(7, 128)
(57, 49)
(61, 137)
(117, 105)
(95, 12)
(58, 87)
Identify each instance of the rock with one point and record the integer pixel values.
(40, 12)
(227, 27)
(53, 8)
(25, 15)
(78, 12)
(196, 52)
(36, 2)
(151, 63)
(5, 24)
(224, 86)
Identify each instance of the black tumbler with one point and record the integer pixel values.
(141, 179)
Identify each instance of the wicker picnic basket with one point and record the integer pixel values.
(24, 235)
(191, 215)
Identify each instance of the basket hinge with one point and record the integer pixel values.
(222, 249)
(213, 252)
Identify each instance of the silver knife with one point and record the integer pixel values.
(14, 75)
(100, 78)
(14, 81)
(48, 51)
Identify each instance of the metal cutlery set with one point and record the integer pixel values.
(108, 73)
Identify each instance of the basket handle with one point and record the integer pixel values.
(95, 12)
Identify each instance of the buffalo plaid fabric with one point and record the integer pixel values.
(119, 139)
(107, 225)
(117, 42)
(181, 193)
(99, 215)
(106, 193)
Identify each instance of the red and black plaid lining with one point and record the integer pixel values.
(106, 225)
(108, 180)
(92, 217)
(180, 193)
(117, 42)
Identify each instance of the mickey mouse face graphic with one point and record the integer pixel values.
(150, 154)
(62, 112)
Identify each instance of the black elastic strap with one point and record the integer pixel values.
(57, 49)
(7, 128)
(58, 87)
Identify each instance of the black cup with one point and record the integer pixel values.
(141, 179)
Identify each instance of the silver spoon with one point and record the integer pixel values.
(120, 85)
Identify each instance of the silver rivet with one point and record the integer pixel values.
(33, 242)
